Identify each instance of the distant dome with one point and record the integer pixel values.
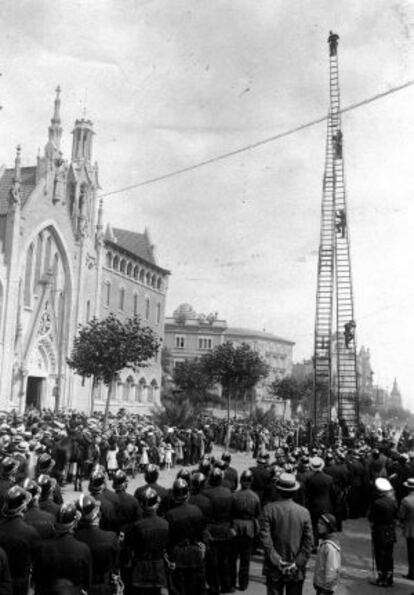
(184, 311)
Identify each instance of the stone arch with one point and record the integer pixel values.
(109, 259)
(148, 278)
(154, 280)
(152, 390)
(122, 265)
(140, 390)
(115, 262)
(129, 269)
(136, 271)
(159, 283)
(142, 275)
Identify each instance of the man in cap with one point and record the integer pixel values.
(103, 545)
(231, 477)
(198, 497)
(63, 556)
(45, 466)
(186, 546)
(286, 536)
(320, 493)
(146, 541)
(261, 478)
(220, 562)
(41, 520)
(19, 540)
(382, 517)
(46, 502)
(246, 511)
(406, 516)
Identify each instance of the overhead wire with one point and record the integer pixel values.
(256, 144)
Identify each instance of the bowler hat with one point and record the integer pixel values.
(409, 483)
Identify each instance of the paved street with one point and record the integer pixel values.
(355, 541)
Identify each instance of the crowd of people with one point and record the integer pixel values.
(199, 534)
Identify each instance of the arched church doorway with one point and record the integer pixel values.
(35, 391)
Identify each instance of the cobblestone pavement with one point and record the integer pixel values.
(355, 541)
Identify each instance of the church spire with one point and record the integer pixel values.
(55, 128)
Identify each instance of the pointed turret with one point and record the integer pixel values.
(55, 129)
(82, 140)
(15, 191)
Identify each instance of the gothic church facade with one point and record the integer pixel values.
(58, 268)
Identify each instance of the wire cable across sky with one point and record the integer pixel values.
(257, 144)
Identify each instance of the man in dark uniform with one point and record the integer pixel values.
(41, 520)
(246, 511)
(129, 509)
(8, 468)
(109, 520)
(103, 545)
(6, 585)
(320, 494)
(340, 475)
(220, 560)
(186, 545)
(382, 517)
(198, 497)
(151, 478)
(261, 479)
(45, 465)
(147, 541)
(46, 502)
(19, 540)
(230, 473)
(63, 556)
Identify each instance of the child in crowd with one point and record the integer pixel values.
(328, 558)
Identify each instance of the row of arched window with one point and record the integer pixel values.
(118, 301)
(130, 391)
(128, 268)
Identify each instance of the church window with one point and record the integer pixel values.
(122, 266)
(28, 276)
(140, 390)
(158, 313)
(136, 272)
(142, 275)
(107, 294)
(135, 304)
(128, 388)
(109, 260)
(159, 282)
(153, 387)
(38, 266)
(115, 263)
(147, 308)
(48, 255)
(122, 298)
(129, 269)
(148, 278)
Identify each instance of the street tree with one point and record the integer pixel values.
(237, 369)
(102, 348)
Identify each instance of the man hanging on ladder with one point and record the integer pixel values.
(340, 223)
(349, 332)
(337, 139)
(333, 43)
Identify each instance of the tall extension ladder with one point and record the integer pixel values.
(335, 382)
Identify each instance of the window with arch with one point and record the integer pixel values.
(48, 254)
(147, 308)
(128, 387)
(135, 304)
(148, 278)
(129, 269)
(158, 313)
(28, 275)
(136, 271)
(152, 391)
(107, 294)
(115, 263)
(122, 266)
(142, 275)
(153, 280)
(140, 390)
(122, 298)
(159, 283)
(109, 259)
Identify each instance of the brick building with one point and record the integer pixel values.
(58, 268)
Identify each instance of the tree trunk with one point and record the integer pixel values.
(108, 399)
(93, 395)
(227, 441)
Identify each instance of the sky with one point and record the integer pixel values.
(170, 83)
